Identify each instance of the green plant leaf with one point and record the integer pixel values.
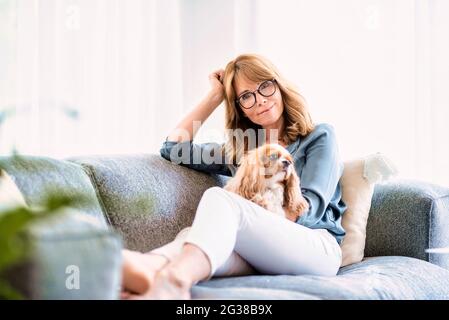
(14, 245)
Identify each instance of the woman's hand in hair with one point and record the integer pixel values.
(216, 83)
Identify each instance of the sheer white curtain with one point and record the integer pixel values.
(375, 69)
(115, 65)
(127, 69)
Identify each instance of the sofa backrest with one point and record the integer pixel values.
(406, 218)
(148, 199)
(34, 176)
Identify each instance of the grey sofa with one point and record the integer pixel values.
(142, 201)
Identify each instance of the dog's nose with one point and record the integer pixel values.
(286, 163)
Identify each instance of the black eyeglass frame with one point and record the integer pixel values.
(237, 102)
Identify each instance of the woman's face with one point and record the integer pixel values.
(266, 111)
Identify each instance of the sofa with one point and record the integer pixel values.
(142, 201)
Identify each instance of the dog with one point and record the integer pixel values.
(267, 177)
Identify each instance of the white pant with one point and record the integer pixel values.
(238, 235)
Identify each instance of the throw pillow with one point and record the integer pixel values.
(10, 195)
(357, 184)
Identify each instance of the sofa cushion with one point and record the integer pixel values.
(147, 198)
(34, 175)
(373, 278)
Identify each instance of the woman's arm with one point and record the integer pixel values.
(179, 147)
(321, 173)
(184, 131)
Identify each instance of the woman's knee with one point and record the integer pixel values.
(217, 193)
(214, 190)
(220, 198)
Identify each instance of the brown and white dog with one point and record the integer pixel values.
(267, 177)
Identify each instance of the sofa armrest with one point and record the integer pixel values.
(406, 218)
(71, 257)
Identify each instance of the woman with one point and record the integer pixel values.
(229, 232)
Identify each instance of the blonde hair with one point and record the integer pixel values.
(256, 68)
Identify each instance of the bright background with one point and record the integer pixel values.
(84, 77)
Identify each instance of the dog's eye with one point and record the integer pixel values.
(274, 157)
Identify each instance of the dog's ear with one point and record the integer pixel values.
(294, 203)
(247, 181)
(252, 182)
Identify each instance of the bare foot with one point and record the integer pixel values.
(168, 284)
(139, 270)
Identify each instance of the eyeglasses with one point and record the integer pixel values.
(247, 100)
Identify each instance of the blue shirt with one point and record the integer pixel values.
(317, 162)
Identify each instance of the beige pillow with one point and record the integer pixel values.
(357, 184)
(10, 195)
